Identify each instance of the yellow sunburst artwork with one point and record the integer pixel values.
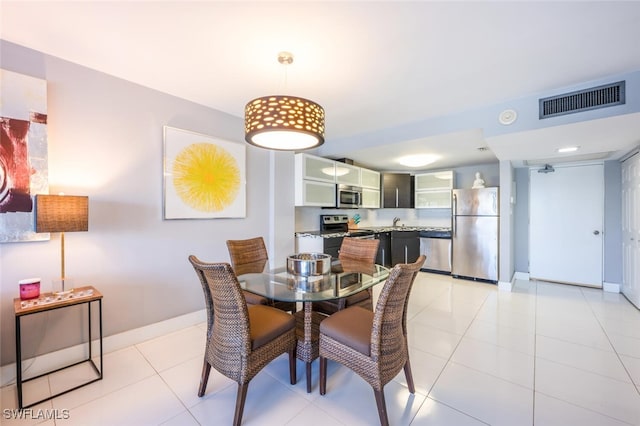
(206, 177)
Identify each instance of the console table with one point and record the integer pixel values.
(87, 295)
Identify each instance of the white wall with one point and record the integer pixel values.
(105, 141)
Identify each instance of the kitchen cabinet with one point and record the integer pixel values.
(313, 193)
(397, 190)
(433, 190)
(370, 182)
(347, 174)
(370, 179)
(405, 246)
(384, 248)
(311, 167)
(370, 198)
(314, 181)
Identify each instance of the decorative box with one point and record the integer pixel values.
(29, 288)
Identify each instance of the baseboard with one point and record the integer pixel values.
(52, 360)
(611, 287)
(505, 285)
(523, 276)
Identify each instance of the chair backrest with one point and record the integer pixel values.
(207, 292)
(248, 256)
(360, 249)
(387, 335)
(230, 337)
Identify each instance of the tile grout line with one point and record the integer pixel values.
(635, 385)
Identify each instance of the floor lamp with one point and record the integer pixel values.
(62, 213)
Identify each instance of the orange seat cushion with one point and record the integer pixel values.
(351, 327)
(266, 323)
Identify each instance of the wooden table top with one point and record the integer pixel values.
(48, 301)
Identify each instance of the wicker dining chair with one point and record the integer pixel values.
(241, 338)
(250, 256)
(373, 344)
(352, 249)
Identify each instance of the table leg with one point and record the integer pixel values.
(18, 363)
(307, 330)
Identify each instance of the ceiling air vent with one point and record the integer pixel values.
(583, 100)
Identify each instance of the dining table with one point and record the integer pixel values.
(344, 279)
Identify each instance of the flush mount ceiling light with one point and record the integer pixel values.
(508, 116)
(567, 149)
(418, 160)
(282, 122)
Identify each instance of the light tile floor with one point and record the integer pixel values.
(544, 354)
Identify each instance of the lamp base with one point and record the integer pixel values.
(63, 286)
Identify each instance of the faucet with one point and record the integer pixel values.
(395, 221)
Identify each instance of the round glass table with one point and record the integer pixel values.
(346, 278)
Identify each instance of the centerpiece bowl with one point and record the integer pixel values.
(309, 264)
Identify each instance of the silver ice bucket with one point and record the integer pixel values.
(309, 264)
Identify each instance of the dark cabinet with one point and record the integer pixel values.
(384, 249)
(405, 246)
(397, 190)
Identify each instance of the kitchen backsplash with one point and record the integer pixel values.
(308, 218)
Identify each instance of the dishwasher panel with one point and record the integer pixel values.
(438, 253)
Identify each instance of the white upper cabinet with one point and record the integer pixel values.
(311, 167)
(433, 190)
(347, 174)
(313, 193)
(434, 180)
(315, 181)
(370, 198)
(370, 179)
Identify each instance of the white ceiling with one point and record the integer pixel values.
(374, 66)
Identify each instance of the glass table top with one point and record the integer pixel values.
(346, 278)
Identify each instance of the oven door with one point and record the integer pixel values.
(349, 197)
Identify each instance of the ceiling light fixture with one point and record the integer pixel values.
(418, 160)
(567, 149)
(282, 122)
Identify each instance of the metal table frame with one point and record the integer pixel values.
(83, 295)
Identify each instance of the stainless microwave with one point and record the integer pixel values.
(348, 197)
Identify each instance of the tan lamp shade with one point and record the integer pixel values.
(62, 213)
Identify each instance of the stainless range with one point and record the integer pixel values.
(334, 228)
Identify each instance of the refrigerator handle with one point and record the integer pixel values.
(455, 215)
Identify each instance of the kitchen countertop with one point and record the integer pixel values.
(376, 229)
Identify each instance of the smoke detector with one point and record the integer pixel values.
(508, 116)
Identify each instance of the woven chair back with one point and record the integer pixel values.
(387, 336)
(195, 262)
(248, 256)
(359, 249)
(230, 339)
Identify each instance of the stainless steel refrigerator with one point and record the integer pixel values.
(475, 234)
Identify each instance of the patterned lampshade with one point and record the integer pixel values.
(285, 123)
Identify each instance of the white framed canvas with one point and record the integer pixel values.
(204, 176)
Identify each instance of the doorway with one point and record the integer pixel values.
(566, 211)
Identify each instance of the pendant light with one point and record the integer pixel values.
(283, 122)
